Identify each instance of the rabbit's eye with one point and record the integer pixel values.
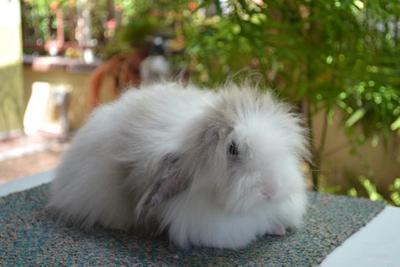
(233, 149)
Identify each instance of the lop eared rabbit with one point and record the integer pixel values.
(212, 168)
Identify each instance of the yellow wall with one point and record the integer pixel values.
(11, 81)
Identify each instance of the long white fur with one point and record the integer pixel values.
(118, 160)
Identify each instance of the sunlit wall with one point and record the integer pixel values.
(11, 81)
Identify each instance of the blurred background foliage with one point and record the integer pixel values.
(337, 58)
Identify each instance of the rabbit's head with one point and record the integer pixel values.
(243, 151)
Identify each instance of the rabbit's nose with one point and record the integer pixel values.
(269, 191)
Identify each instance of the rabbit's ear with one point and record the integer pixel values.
(214, 128)
(170, 183)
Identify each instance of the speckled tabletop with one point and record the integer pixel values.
(29, 235)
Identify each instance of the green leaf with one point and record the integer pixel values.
(352, 192)
(355, 117)
(395, 125)
(370, 188)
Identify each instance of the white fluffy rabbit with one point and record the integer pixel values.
(212, 168)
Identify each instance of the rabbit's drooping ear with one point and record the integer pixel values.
(170, 183)
(214, 128)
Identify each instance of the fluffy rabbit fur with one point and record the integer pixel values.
(211, 168)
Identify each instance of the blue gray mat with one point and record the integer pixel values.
(30, 236)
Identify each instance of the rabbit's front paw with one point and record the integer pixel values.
(277, 230)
